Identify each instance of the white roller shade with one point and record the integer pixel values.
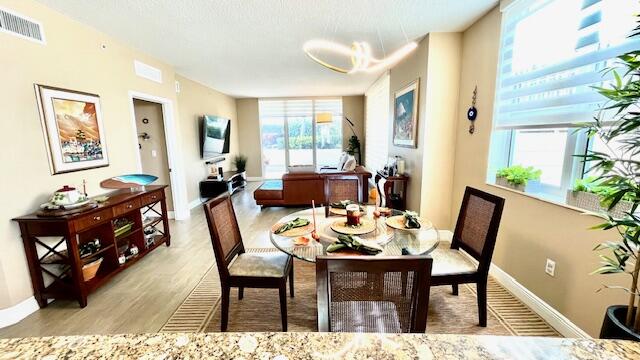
(377, 124)
(553, 52)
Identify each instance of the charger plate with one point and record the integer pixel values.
(366, 226)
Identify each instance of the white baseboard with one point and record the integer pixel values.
(14, 314)
(539, 306)
(552, 316)
(171, 214)
(254, 178)
(195, 203)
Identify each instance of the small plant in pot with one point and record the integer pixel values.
(240, 162)
(589, 194)
(618, 126)
(517, 176)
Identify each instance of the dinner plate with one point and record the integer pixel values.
(366, 226)
(397, 222)
(295, 232)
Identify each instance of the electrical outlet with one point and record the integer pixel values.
(550, 267)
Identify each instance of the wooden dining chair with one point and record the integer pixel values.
(341, 187)
(475, 233)
(239, 269)
(369, 294)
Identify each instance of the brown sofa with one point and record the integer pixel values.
(298, 189)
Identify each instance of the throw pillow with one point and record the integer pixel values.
(350, 164)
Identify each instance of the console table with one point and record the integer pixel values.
(394, 190)
(56, 266)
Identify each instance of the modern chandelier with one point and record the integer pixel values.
(360, 54)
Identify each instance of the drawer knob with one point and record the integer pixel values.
(97, 218)
(154, 197)
(129, 206)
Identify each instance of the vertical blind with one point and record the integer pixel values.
(377, 124)
(553, 52)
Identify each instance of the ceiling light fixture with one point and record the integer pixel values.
(360, 54)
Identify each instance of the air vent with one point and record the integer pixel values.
(21, 26)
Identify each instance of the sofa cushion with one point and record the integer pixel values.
(350, 164)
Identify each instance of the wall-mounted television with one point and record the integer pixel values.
(215, 131)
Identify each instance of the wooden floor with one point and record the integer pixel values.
(143, 297)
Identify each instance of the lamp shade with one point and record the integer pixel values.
(324, 118)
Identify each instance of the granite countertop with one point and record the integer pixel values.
(281, 346)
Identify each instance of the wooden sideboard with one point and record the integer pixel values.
(52, 244)
(394, 190)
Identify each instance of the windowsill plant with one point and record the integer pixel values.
(517, 176)
(618, 122)
(591, 195)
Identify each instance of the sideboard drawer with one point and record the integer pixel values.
(152, 197)
(93, 219)
(126, 207)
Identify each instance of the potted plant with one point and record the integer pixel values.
(517, 176)
(618, 122)
(589, 194)
(240, 162)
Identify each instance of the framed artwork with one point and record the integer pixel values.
(405, 116)
(73, 130)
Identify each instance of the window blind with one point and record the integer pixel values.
(377, 124)
(552, 53)
(286, 108)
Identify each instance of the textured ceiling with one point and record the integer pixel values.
(253, 48)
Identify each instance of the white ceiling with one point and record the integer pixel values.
(253, 48)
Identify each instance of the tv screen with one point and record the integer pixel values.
(215, 136)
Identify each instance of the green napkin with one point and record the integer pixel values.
(295, 223)
(411, 220)
(353, 243)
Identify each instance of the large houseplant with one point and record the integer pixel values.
(617, 124)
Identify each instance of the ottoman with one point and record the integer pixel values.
(269, 193)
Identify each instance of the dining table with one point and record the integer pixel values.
(393, 241)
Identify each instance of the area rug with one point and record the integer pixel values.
(259, 310)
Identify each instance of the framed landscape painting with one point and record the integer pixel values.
(405, 116)
(73, 130)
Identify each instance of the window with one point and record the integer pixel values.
(299, 132)
(552, 53)
(377, 124)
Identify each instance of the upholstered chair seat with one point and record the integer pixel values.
(448, 261)
(260, 265)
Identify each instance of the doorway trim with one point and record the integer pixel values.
(176, 173)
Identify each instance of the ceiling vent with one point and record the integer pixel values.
(18, 25)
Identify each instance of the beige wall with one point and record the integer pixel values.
(409, 69)
(72, 58)
(436, 62)
(249, 127)
(531, 230)
(196, 100)
(443, 78)
(153, 152)
(249, 124)
(353, 108)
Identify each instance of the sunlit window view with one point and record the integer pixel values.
(293, 134)
(553, 54)
(541, 149)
